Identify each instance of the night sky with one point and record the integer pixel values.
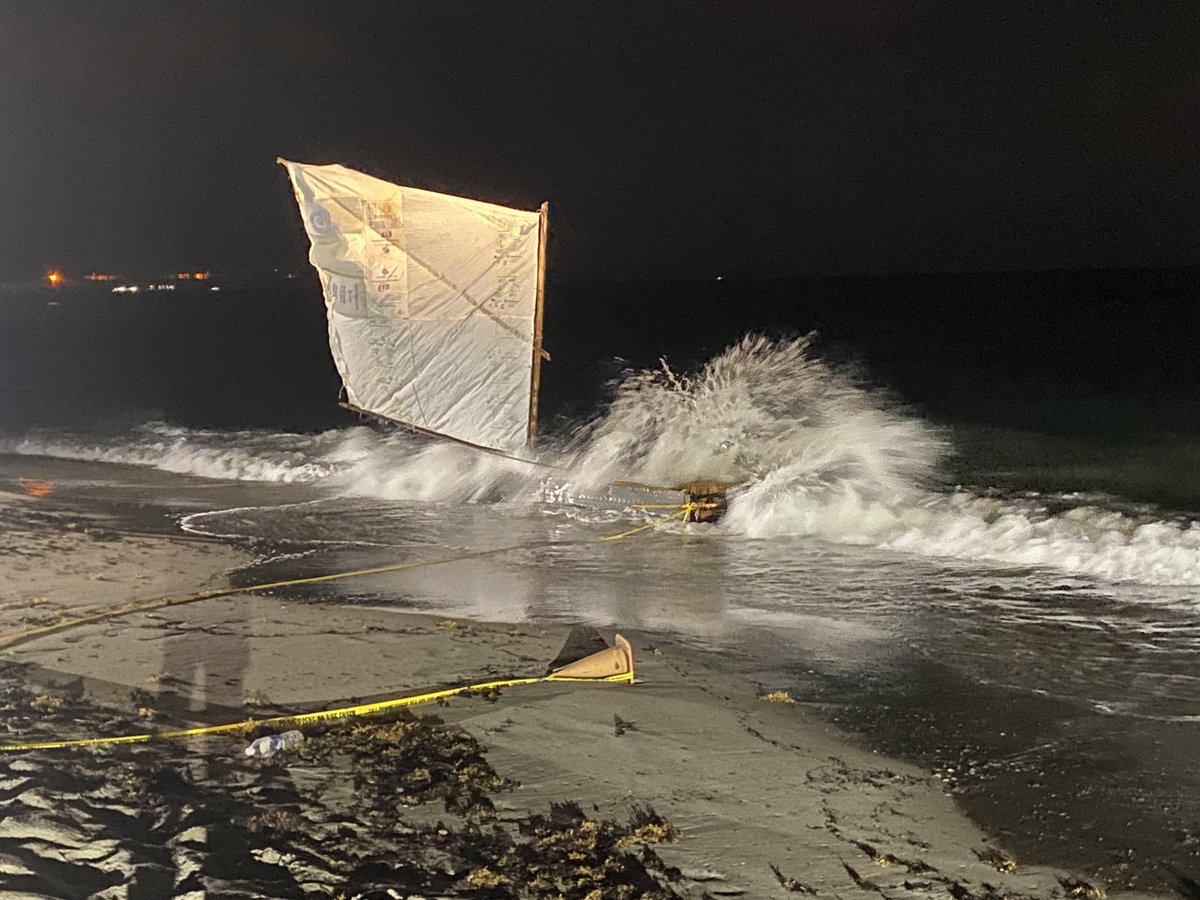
(674, 140)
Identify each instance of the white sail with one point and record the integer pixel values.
(433, 305)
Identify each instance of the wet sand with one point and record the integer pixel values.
(57, 561)
(694, 783)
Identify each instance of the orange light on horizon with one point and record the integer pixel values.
(54, 278)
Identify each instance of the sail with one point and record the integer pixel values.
(433, 303)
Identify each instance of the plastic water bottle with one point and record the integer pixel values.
(268, 746)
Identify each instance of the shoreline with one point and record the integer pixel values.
(58, 561)
(768, 800)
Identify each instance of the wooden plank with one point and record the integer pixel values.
(536, 378)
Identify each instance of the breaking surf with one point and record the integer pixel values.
(820, 456)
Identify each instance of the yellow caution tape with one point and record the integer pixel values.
(656, 505)
(14, 638)
(19, 637)
(683, 513)
(687, 508)
(345, 712)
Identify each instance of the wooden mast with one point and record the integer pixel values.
(538, 353)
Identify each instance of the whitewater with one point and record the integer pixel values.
(817, 453)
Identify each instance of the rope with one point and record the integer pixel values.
(14, 638)
(656, 505)
(345, 712)
(20, 637)
(684, 511)
(687, 508)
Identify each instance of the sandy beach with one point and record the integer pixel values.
(728, 790)
(56, 562)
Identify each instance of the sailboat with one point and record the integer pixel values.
(434, 305)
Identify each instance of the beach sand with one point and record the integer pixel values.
(55, 560)
(762, 799)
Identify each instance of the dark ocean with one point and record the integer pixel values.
(1068, 380)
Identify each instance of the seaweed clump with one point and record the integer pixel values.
(394, 766)
(567, 854)
(24, 711)
(413, 761)
(342, 815)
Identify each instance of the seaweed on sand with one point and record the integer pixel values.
(560, 854)
(411, 761)
(349, 813)
(570, 855)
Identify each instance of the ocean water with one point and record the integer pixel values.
(969, 533)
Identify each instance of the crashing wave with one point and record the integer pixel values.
(819, 455)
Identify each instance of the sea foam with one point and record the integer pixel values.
(817, 455)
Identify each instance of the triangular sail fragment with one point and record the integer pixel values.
(612, 662)
(431, 301)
